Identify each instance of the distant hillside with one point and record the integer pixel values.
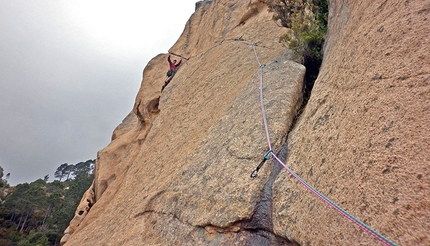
(37, 213)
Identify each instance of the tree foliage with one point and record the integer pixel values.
(307, 21)
(37, 213)
(61, 171)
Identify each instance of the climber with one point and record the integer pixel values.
(173, 66)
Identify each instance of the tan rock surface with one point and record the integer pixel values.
(179, 174)
(363, 139)
(87, 201)
(177, 170)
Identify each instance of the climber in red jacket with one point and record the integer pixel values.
(173, 66)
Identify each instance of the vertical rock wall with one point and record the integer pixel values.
(178, 168)
(363, 139)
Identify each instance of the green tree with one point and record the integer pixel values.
(37, 213)
(84, 167)
(61, 171)
(66, 203)
(14, 202)
(34, 238)
(25, 201)
(70, 170)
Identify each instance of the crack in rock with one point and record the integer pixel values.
(261, 223)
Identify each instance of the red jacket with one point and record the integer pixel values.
(172, 65)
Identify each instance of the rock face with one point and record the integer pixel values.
(363, 139)
(177, 169)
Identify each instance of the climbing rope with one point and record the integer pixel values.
(263, 111)
(333, 205)
(336, 207)
(270, 153)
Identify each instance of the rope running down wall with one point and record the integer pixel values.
(326, 200)
(333, 205)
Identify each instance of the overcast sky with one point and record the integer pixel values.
(69, 74)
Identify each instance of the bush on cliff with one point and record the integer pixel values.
(307, 21)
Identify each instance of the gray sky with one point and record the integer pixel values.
(69, 74)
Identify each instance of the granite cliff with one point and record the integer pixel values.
(177, 171)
